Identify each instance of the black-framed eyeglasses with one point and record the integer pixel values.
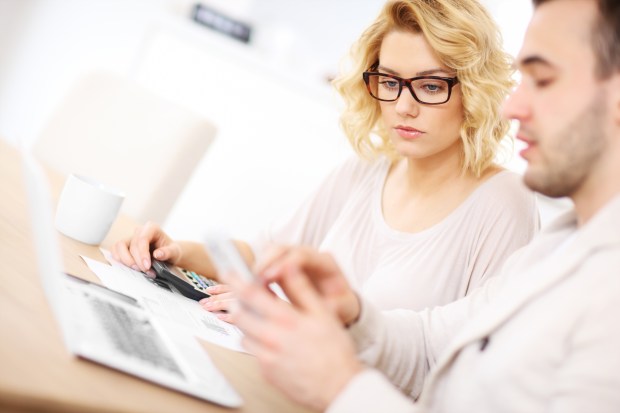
(428, 90)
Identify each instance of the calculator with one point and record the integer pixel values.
(188, 283)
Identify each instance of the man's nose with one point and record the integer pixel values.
(517, 105)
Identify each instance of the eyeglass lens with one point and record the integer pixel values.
(431, 91)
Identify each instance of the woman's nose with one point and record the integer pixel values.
(406, 105)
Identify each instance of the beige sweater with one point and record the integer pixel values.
(544, 336)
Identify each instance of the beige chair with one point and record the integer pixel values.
(115, 131)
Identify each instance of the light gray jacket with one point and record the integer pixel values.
(542, 337)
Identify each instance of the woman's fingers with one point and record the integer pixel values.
(218, 303)
(218, 289)
(168, 253)
(120, 252)
(141, 242)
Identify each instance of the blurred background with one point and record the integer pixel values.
(269, 97)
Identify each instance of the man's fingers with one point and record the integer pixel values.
(258, 348)
(272, 255)
(319, 264)
(316, 264)
(259, 301)
(302, 293)
(245, 315)
(297, 287)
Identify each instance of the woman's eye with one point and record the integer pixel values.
(432, 88)
(390, 84)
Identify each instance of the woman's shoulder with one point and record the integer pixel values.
(357, 168)
(506, 183)
(506, 194)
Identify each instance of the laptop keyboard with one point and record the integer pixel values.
(134, 336)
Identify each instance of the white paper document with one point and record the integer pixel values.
(164, 304)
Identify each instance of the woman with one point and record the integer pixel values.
(423, 215)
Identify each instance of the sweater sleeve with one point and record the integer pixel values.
(405, 345)
(370, 391)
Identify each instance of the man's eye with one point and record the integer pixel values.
(543, 82)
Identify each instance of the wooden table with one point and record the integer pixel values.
(36, 371)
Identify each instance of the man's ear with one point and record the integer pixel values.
(614, 95)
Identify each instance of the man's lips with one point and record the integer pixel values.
(530, 144)
(524, 138)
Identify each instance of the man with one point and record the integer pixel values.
(544, 336)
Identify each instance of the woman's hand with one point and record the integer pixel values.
(135, 252)
(221, 301)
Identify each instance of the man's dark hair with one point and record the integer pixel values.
(605, 36)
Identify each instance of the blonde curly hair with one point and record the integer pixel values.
(467, 40)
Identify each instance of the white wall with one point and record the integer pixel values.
(54, 43)
(278, 132)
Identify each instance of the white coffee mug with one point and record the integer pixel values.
(86, 209)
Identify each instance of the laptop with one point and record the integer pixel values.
(112, 329)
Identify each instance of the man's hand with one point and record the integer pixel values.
(301, 346)
(323, 274)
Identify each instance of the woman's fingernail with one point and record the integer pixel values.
(158, 254)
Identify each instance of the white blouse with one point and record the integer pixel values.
(395, 269)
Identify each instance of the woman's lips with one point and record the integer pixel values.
(407, 132)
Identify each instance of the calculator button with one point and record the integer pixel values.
(199, 282)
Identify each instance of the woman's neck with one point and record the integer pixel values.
(426, 176)
(419, 194)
